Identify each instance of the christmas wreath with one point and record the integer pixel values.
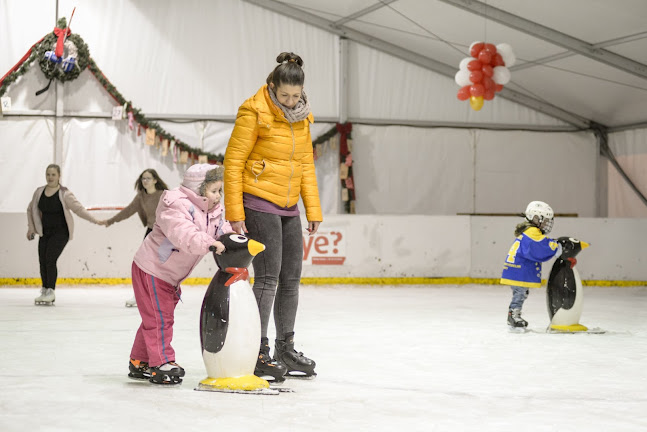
(61, 54)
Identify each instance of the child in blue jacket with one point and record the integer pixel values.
(522, 267)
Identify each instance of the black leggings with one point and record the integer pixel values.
(50, 247)
(277, 271)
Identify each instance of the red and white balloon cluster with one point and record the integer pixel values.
(485, 73)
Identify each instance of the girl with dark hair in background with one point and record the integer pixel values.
(149, 187)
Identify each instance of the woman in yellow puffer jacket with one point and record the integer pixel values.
(269, 163)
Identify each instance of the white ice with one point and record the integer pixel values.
(389, 358)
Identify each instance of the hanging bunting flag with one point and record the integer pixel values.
(150, 136)
(343, 171)
(184, 156)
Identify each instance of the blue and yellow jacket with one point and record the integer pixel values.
(522, 265)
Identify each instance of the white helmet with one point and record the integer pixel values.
(541, 215)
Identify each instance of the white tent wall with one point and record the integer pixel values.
(25, 146)
(437, 171)
(630, 150)
(200, 58)
(384, 87)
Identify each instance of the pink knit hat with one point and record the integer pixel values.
(194, 176)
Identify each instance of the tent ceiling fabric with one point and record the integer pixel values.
(581, 61)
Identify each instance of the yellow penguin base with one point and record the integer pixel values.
(573, 328)
(248, 384)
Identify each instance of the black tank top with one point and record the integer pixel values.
(52, 210)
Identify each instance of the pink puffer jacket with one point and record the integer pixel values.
(183, 231)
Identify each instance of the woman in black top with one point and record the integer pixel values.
(49, 215)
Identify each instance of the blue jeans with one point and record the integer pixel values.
(519, 295)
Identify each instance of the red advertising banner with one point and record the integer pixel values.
(325, 248)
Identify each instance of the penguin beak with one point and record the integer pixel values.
(584, 245)
(255, 247)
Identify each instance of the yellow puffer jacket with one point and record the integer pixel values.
(270, 158)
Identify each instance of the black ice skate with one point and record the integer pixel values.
(168, 374)
(515, 322)
(266, 367)
(299, 366)
(138, 370)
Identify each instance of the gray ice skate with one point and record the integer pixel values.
(46, 297)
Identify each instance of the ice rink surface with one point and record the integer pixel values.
(389, 358)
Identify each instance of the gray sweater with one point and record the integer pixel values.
(144, 204)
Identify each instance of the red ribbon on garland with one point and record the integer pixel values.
(344, 153)
(22, 60)
(344, 130)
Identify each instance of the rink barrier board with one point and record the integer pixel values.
(322, 281)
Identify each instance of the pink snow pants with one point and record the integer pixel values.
(156, 301)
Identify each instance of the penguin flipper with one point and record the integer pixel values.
(214, 317)
(562, 287)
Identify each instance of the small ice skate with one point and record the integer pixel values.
(46, 297)
(516, 324)
(167, 374)
(131, 302)
(139, 370)
(298, 365)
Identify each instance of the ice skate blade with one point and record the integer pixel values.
(282, 389)
(138, 378)
(279, 386)
(300, 376)
(43, 303)
(517, 329)
(130, 305)
(165, 383)
(272, 379)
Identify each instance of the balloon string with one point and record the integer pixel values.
(485, 25)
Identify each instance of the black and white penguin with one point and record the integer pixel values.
(564, 294)
(230, 326)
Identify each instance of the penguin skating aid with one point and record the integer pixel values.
(230, 326)
(564, 293)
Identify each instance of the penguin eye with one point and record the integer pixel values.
(238, 238)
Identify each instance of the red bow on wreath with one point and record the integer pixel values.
(61, 34)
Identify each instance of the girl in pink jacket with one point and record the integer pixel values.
(187, 222)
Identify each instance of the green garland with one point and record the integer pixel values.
(325, 137)
(84, 60)
(13, 76)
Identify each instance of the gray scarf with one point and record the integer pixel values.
(298, 113)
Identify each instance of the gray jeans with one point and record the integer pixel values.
(519, 295)
(277, 270)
